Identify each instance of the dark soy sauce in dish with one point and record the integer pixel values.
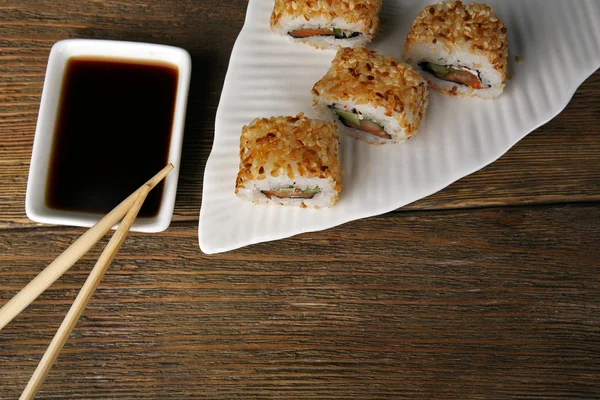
(112, 133)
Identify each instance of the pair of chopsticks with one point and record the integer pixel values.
(128, 208)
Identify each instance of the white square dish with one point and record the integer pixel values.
(37, 184)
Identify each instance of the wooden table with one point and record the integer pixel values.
(488, 289)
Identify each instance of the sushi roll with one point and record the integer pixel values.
(291, 161)
(371, 97)
(327, 23)
(460, 49)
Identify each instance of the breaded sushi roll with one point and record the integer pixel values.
(292, 161)
(372, 97)
(460, 49)
(327, 23)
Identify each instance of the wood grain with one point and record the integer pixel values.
(492, 303)
(487, 289)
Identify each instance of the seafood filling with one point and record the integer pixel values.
(462, 75)
(335, 32)
(354, 119)
(292, 192)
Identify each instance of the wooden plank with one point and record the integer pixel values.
(490, 303)
(478, 303)
(557, 163)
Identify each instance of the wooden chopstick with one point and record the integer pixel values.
(84, 296)
(64, 261)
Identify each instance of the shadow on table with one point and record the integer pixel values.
(205, 91)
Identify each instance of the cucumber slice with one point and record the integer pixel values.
(440, 69)
(348, 118)
(342, 34)
(312, 191)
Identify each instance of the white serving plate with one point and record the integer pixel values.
(559, 42)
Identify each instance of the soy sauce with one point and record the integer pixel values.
(112, 133)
